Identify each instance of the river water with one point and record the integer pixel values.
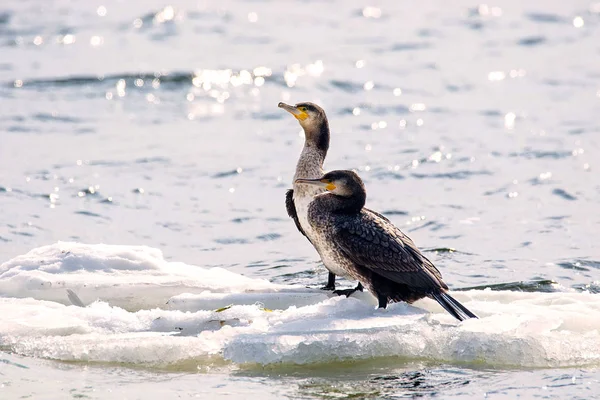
(475, 129)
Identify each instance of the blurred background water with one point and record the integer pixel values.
(474, 126)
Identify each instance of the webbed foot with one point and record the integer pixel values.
(349, 292)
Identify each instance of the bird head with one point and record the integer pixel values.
(342, 183)
(313, 120)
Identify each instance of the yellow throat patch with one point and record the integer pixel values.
(302, 116)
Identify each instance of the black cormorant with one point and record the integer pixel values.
(365, 246)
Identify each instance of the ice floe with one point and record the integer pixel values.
(140, 309)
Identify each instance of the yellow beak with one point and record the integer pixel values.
(299, 115)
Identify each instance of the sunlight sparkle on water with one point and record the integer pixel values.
(487, 10)
(517, 73)
(578, 22)
(290, 78)
(101, 11)
(294, 71)
(417, 107)
(244, 78)
(166, 14)
(315, 69)
(371, 12)
(121, 85)
(509, 120)
(436, 157)
(415, 219)
(379, 125)
(96, 41)
(208, 77)
(495, 76)
(262, 71)
(66, 39)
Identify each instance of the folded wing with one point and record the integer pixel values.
(378, 245)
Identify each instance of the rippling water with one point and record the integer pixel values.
(474, 127)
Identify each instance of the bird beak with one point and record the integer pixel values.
(299, 115)
(325, 183)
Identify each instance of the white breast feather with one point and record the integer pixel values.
(309, 167)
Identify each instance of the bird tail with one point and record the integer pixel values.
(452, 305)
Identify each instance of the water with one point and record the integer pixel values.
(472, 125)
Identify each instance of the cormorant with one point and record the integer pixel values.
(314, 122)
(367, 247)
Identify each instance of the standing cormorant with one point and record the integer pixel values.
(367, 247)
(314, 122)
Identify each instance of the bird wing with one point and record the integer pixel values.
(291, 210)
(378, 245)
(376, 214)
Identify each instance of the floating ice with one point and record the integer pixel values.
(133, 277)
(225, 322)
(207, 300)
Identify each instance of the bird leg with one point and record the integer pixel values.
(330, 282)
(348, 292)
(383, 301)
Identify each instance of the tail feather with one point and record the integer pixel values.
(453, 307)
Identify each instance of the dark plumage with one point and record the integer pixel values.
(291, 210)
(369, 248)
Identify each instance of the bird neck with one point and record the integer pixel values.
(340, 204)
(316, 144)
(317, 137)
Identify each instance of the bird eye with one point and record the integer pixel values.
(303, 109)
